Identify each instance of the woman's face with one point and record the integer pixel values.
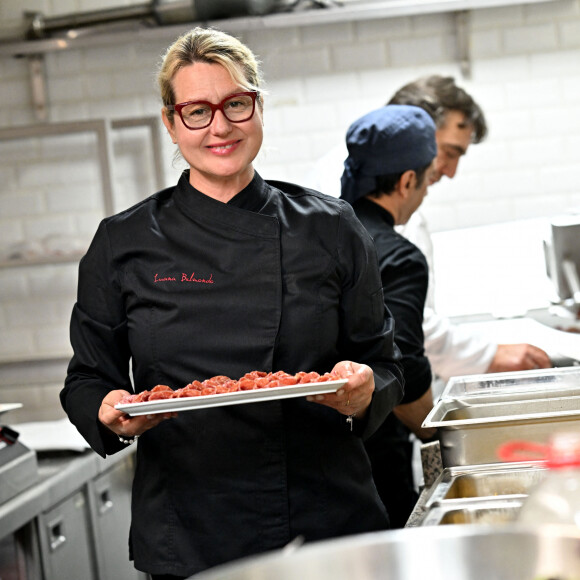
(219, 156)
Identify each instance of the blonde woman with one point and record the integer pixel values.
(222, 274)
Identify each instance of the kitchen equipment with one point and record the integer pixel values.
(507, 552)
(477, 413)
(562, 255)
(493, 481)
(564, 379)
(475, 511)
(18, 464)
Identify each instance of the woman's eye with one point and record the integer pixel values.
(234, 104)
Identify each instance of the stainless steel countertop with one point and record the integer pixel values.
(59, 475)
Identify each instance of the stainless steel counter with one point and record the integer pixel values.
(60, 474)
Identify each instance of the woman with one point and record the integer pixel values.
(223, 274)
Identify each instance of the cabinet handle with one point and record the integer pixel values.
(56, 537)
(106, 503)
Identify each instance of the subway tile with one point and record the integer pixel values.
(560, 178)
(486, 44)
(537, 152)
(522, 182)
(548, 11)
(53, 281)
(532, 93)
(13, 92)
(21, 204)
(559, 120)
(30, 313)
(332, 87)
(15, 342)
(12, 10)
(429, 24)
(570, 34)
(551, 203)
(66, 89)
(264, 40)
(36, 228)
(64, 63)
(72, 198)
(359, 56)
(11, 231)
(563, 64)
(501, 16)
(509, 124)
(409, 52)
(383, 28)
(501, 70)
(339, 33)
(13, 284)
(530, 39)
(53, 340)
(297, 63)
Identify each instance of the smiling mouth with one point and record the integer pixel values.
(223, 148)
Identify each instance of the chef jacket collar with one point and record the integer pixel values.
(252, 198)
(384, 214)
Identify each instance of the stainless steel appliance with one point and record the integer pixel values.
(477, 413)
(18, 464)
(508, 552)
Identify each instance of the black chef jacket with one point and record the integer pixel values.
(186, 287)
(405, 277)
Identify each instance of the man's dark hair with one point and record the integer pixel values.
(385, 184)
(437, 95)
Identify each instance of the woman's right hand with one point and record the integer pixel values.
(124, 425)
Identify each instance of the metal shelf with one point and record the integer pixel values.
(349, 12)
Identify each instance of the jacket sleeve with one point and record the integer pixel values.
(455, 351)
(452, 350)
(368, 328)
(405, 276)
(98, 334)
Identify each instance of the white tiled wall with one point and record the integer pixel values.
(525, 74)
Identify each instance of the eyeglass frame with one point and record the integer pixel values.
(219, 107)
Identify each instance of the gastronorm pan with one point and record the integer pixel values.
(475, 511)
(493, 481)
(564, 380)
(470, 431)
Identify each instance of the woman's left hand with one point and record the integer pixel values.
(355, 396)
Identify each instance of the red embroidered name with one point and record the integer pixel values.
(192, 278)
(165, 279)
(184, 278)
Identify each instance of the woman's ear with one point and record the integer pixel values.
(169, 125)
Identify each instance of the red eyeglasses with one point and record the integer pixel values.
(236, 108)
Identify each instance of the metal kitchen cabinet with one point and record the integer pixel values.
(110, 499)
(66, 540)
(19, 555)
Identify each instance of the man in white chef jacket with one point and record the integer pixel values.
(452, 349)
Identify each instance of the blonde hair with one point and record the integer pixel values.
(209, 46)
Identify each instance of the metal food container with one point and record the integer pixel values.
(485, 482)
(475, 511)
(478, 552)
(526, 384)
(478, 413)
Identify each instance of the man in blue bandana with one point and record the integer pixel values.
(390, 163)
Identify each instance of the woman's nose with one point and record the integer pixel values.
(220, 123)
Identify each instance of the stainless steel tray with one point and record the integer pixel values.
(564, 379)
(475, 511)
(471, 431)
(493, 481)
